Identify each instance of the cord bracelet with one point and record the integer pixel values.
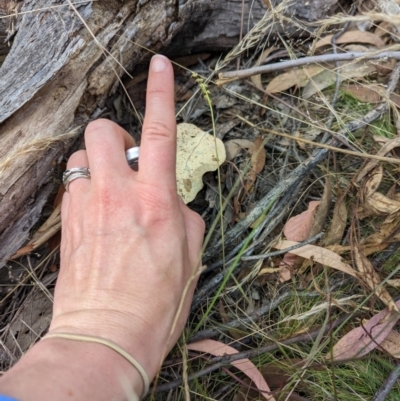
(109, 344)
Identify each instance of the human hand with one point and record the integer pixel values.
(129, 244)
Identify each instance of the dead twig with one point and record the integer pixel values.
(387, 386)
(283, 251)
(226, 77)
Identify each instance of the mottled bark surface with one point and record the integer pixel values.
(57, 77)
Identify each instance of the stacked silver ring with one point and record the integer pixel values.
(74, 173)
(132, 157)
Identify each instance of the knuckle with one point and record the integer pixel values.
(77, 158)
(158, 206)
(158, 131)
(101, 126)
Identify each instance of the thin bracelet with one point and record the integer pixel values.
(109, 344)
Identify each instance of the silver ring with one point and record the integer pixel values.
(74, 173)
(132, 157)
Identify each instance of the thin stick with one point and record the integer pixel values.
(387, 386)
(283, 251)
(226, 77)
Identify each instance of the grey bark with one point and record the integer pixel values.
(56, 77)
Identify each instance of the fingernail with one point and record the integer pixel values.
(158, 63)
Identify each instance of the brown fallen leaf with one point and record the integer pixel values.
(363, 339)
(338, 224)
(395, 282)
(371, 278)
(297, 77)
(256, 79)
(373, 181)
(363, 93)
(320, 255)
(352, 37)
(235, 146)
(248, 368)
(391, 344)
(327, 77)
(382, 205)
(384, 28)
(297, 228)
(386, 148)
(277, 378)
(257, 163)
(322, 211)
(387, 231)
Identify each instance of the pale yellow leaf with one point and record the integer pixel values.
(197, 153)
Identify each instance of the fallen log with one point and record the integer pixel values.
(65, 60)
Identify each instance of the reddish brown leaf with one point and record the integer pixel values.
(218, 349)
(363, 339)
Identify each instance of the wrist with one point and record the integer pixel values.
(73, 371)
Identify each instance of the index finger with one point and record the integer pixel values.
(158, 146)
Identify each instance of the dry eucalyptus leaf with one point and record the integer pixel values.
(296, 77)
(197, 153)
(235, 146)
(256, 79)
(257, 163)
(338, 224)
(363, 339)
(327, 78)
(322, 212)
(373, 181)
(297, 228)
(363, 93)
(217, 348)
(391, 344)
(353, 37)
(394, 143)
(319, 255)
(372, 279)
